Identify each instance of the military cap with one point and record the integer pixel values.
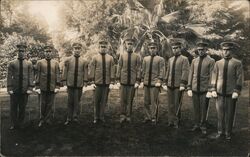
(76, 44)
(152, 43)
(129, 36)
(103, 39)
(175, 42)
(21, 45)
(229, 44)
(202, 43)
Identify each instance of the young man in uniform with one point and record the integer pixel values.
(102, 74)
(153, 71)
(199, 87)
(75, 73)
(226, 86)
(176, 81)
(47, 84)
(19, 85)
(128, 75)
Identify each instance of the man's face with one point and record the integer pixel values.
(103, 46)
(21, 52)
(153, 50)
(48, 54)
(176, 49)
(129, 45)
(201, 51)
(77, 51)
(227, 51)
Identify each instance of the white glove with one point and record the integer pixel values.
(118, 84)
(38, 91)
(165, 87)
(56, 90)
(84, 89)
(111, 86)
(29, 92)
(136, 85)
(209, 95)
(141, 85)
(190, 93)
(214, 94)
(235, 95)
(157, 84)
(182, 88)
(93, 86)
(11, 92)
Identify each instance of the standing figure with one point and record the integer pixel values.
(227, 84)
(75, 73)
(47, 84)
(153, 71)
(102, 74)
(19, 85)
(199, 87)
(128, 75)
(176, 80)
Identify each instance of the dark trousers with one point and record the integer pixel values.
(151, 100)
(127, 94)
(47, 101)
(100, 101)
(200, 109)
(174, 95)
(74, 98)
(225, 110)
(18, 102)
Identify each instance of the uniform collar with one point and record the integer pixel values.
(228, 58)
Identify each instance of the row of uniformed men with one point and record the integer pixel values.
(205, 79)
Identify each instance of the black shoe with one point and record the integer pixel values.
(40, 124)
(128, 119)
(122, 120)
(195, 128)
(67, 122)
(153, 121)
(146, 120)
(176, 126)
(12, 128)
(170, 124)
(228, 137)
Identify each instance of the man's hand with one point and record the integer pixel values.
(38, 91)
(214, 94)
(235, 95)
(190, 93)
(157, 84)
(136, 85)
(182, 88)
(165, 87)
(118, 84)
(11, 92)
(141, 85)
(29, 92)
(93, 86)
(209, 95)
(56, 90)
(111, 86)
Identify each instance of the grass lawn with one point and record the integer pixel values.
(113, 139)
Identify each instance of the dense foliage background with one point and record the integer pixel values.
(85, 21)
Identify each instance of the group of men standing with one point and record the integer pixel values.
(204, 79)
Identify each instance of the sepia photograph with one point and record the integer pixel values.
(124, 77)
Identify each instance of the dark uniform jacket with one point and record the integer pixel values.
(129, 68)
(200, 74)
(177, 71)
(227, 76)
(102, 69)
(48, 75)
(153, 70)
(20, 76)
(75, 71)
